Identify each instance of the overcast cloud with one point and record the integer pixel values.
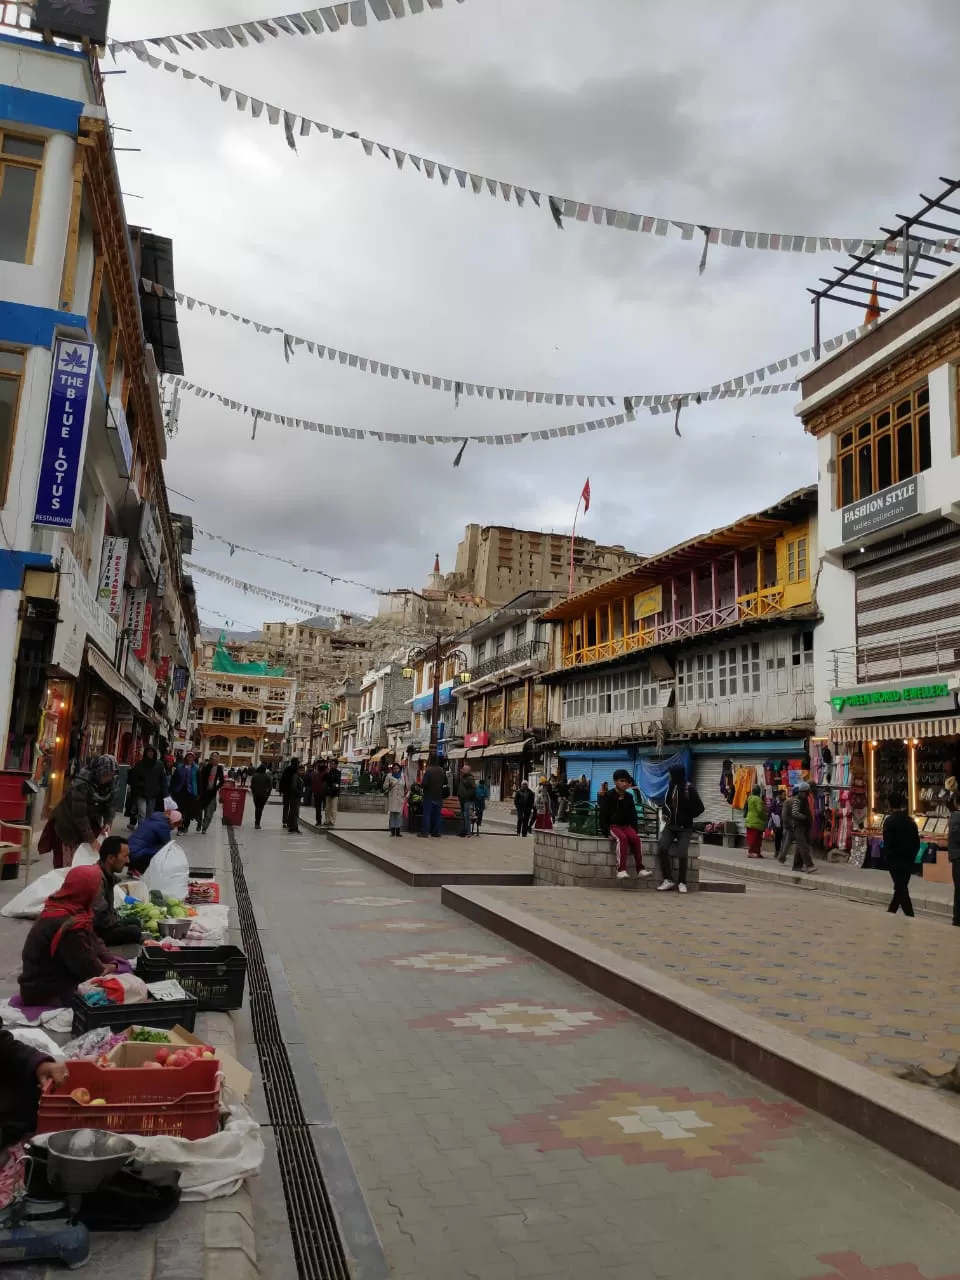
(808, 117)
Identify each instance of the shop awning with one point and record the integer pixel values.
(505, 749)
(111, 677)
(457, 753)
(937, 727)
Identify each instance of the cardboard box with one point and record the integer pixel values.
(235, 1076)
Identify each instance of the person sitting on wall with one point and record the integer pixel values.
(112, 931)
(617, 818)
(152, 834)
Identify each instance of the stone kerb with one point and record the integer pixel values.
(589, 862)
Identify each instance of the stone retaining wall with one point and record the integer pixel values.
(589, 862)
(370, 803)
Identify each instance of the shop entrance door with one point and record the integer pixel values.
(511, 779)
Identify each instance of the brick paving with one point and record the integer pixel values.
(583, 1142)
(877, 989)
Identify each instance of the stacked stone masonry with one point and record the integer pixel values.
(590, 862)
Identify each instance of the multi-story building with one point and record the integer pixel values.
(706, 646)
(453, 670)
(496, 563)
(242, 712)
(96, 617)
(384, 715)
(505, 706)
(884, 412)
(339, 737)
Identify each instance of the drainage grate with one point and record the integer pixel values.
(313, 1228)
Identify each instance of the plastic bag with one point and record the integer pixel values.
(38, 1039)
(85, 856)
(28, 903)
(168, 872)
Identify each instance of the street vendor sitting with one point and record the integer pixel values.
(152, 834)
(23, 1073)
(62, 950)
(112, 931)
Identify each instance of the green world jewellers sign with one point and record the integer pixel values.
(858, 703)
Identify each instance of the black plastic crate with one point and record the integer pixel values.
(217, 976)
(162, 1014)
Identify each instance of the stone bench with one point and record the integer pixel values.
(590, 862)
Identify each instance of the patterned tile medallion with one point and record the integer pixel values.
(462, 962)
(645, 1124)
(399, 926)
(371, 901)
(522, 1018)
(850, 1266)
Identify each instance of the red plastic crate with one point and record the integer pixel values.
(177, 1102)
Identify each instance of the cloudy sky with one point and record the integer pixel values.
(811, 118)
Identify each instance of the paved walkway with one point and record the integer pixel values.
(506, 1122)
(877, 989)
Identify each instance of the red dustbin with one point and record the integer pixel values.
(232, 798)
(13, 809)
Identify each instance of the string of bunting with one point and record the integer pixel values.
(265, 555)
(251, 588)
(312, 22)
(503, 438)
(561, 208)
(460, 387)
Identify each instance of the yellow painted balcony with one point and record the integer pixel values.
(758, 604)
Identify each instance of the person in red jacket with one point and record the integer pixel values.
(62, 950)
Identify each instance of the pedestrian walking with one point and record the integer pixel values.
(261, 784)
(681, 807)
(319, 787)
(185, 790)
(953, 851)
(334, 783)
(776, 820)
(554, 793)
(802, 815)
(396, 790)
(434, 786)
(786, 819)
(563, 799)
(901, 844)
(86, 812)
(617, 819)
(284, 788)
(210, 780)
(148, 785)
(524, 800)
(755, 821)
(467, 795)
(544, 807)
(480, 802)
(298, 783)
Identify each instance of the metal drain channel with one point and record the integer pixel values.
(313, 1228)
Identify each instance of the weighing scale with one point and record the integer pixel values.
(79, 1161)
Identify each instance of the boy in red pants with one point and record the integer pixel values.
(617, 817)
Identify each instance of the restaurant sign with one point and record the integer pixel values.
(858, 703)
(648, 603)
(889, 506)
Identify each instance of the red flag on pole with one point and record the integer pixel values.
(873, 311)
(585, 496)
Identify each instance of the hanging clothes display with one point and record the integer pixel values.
(743, 783)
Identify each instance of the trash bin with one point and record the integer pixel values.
(13, 809)
(232, 799)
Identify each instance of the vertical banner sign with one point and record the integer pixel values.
(136, 617)
(113, 568)
(143, 648)
(68, 412)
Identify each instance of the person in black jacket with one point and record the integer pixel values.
(148, 784)
(334, 783)
(261, 784)
(23, 1073)
(953, 852)
(901, 844)
(681, 807)
(524, 800)
(209, 781)
(617, 818)
(298, 785)
(284, 788)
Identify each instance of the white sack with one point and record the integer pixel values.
(168, 872)
(28, 903)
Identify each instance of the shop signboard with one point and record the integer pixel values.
(902, 697)
(889, 506)
(113, 568)
(73, 19)
(150, 539)
(118, 435)
(148, 687)
(648, 603)
(81, 617)
(473, 740)
(133, 670)
(143, 648)
(425, 701)
(65, 433)
(134, 622)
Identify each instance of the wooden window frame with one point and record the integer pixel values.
(18, 377)
(25, 162)
(871, 430)
(798, 550)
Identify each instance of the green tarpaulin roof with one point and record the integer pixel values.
(225, 665)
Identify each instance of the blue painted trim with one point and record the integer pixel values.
(27, 326)
(37, 47)
(767, 749)
(14, 563)
(625, 752)
(42, 110)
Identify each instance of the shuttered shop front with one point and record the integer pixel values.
(706, 779)
(908, 612)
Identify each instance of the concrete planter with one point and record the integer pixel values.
(589, 862)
